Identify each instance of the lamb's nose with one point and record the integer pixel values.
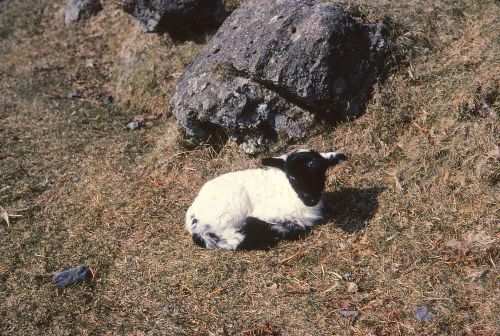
(310, 201)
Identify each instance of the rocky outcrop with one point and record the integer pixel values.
(80, 9)
(274, 67)
(176, 16)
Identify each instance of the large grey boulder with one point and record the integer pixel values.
(275, 67)
(176, 16)
(80, 9)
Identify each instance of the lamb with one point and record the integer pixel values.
(254, 208)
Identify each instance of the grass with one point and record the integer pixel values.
(416, 208)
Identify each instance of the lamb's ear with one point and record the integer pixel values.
(276, 162)
(334, 158)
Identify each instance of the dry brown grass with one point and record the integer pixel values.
(416, 220)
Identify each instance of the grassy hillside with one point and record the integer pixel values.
(416, 221)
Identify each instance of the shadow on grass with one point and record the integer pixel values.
(352, 208)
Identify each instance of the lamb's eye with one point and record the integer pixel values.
(311, 164)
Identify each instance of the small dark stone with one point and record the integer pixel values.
(80, 9)
(133, 125)
(349, 277)
(423, 314)
(71, 276)
(74, 94)
(348, 313)
(2, 129)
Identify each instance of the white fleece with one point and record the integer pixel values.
(225, 202)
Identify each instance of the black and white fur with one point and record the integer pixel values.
(252, 209)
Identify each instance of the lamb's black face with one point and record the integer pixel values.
(306, 171)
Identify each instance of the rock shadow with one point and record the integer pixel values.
(352, 208)
(197, 34)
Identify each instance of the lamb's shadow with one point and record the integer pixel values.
(349, 208)
(352, 208)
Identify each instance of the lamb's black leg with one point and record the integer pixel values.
(294, 231)
(259, 235)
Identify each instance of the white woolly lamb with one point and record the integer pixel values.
(252, 209)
